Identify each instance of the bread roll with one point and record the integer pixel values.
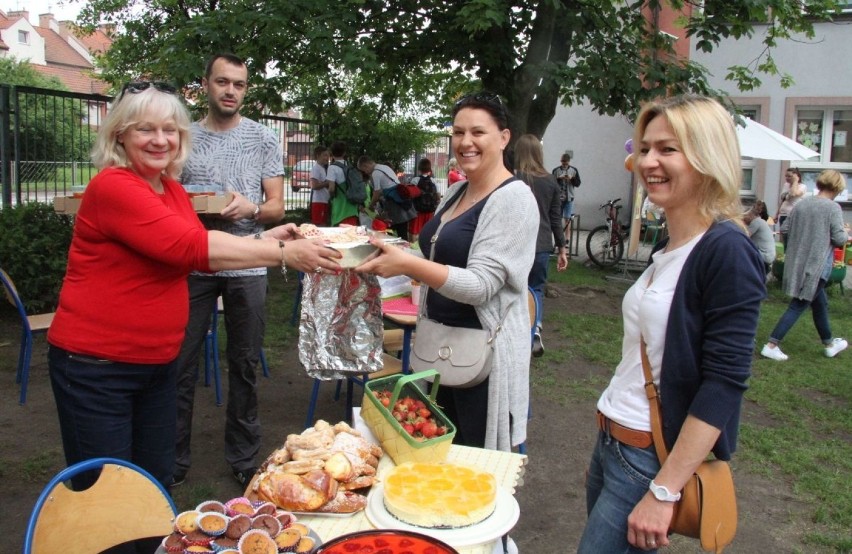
(297, 493)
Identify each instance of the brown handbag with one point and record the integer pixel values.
(707, 509)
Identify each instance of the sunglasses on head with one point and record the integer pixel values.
(487, 97)
(135, 87)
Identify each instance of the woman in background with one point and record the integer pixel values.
(455, 174)
(815, 228)
(760, 233)
(696, 308)
(482, 259)
(529, 167)
(792, 192)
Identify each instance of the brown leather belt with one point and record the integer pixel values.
(630, 437)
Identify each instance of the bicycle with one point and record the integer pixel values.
(605, 243)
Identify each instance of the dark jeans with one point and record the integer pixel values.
(538, 275)
(115, 410)
(819, 309)
(244, 300)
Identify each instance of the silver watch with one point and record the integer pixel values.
(663, 494)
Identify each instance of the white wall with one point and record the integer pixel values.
(598, 145)
(820, 68)
(34, 51)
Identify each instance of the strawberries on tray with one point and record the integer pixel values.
(413, 415)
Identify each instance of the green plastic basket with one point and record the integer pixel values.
(398, 444)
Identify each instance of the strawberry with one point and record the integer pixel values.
(424, 413)
(385, 401)
(409, 428)
(442, 430)
(429, 429)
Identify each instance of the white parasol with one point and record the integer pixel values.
(759, 141)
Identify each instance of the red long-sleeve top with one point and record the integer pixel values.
(125, 297)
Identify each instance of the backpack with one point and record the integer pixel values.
(429, 198)
(356, 189)
(396, 194)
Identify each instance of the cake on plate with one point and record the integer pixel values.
(439, 496)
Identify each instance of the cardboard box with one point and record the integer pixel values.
(210, 204)
(66, 204)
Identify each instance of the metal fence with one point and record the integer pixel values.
(46, 138)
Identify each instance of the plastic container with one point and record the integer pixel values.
(398, 444)
(392, 540)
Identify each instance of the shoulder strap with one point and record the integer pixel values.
(654, 403)
(393, 178)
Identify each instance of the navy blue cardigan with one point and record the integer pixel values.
(710, 335)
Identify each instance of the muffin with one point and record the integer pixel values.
(288, 539)
(239, 505)
(173, 543)
(211, 506)
(212, 523)
(238, 526)
(256, 541)
(187, 522)
(266, 523)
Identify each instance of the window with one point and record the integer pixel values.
(24, 37)
(747, 186)
(827, 131)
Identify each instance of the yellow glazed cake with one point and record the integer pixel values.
(439, 495)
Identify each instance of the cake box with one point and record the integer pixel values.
(398, 444)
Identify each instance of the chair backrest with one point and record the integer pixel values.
(125, 503)
(13, 298)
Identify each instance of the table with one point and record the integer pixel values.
(407, 322)
(507, 467)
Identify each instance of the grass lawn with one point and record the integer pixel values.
(798, 422)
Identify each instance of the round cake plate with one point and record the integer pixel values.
(504, 518)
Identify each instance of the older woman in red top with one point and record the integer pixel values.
(124, 301)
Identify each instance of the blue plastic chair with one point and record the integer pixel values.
(126, 503)
(31, 325)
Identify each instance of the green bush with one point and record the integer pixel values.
(34, 245)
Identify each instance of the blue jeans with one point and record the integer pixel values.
(538, 275)
(819, 310)
(617, 480)
(567, 209)
(116, 410)
(244, 300)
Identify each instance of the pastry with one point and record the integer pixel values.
(297, 493)
(439, 495)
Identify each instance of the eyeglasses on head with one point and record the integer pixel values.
(135, 87)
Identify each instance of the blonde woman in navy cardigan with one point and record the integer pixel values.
(696, 307)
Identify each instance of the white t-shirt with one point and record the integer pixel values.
(647, 309)
(320, 196)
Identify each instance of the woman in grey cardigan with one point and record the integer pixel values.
(814, 228)
(483, 255)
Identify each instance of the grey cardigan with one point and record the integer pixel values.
(814, 228)
(498, 265)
